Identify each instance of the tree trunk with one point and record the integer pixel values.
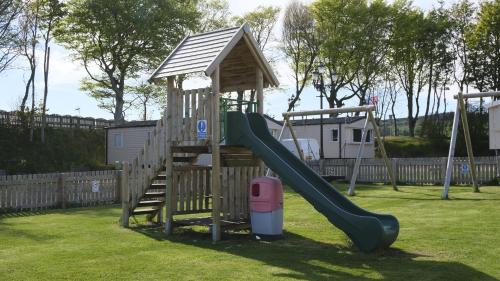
(119, 102)
(429, 91)
(394, 118)
(411, 124)
(45, 90)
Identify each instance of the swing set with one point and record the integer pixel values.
(461, 113)
(368, 109)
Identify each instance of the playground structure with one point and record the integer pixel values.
(461, 113)
(166, 176)
(368, 109)
(166, 173)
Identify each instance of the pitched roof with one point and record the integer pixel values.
(204, 52)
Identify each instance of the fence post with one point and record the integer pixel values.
(61, 193)
(394, 163)
(125, 194)
(118, 186)
(498, 166)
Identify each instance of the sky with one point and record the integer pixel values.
(65, 96)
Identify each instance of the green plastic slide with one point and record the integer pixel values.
(368, 231)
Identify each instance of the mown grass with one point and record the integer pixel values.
(456, 239)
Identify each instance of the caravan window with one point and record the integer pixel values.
(118, 140)
(357, 133)
(335, 135)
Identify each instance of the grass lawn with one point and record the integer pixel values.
(458, 239)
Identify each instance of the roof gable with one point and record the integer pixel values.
(204, 52)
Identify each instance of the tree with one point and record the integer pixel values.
(463, 16)
(9, 10)
(27, 44)
(145, 94)
(215, 15)
(51, 11)
(116, 40)
(340, 34)
(407, 55)
(438, 52)
(261, 21)
(484, 44)
(375, 23)
(300, 45)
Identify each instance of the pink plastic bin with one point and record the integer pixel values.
(266, 194)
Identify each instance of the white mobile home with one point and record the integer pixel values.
(341, 135)
(494, 112)
(124, 142)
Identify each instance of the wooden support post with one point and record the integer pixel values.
(354, 176)
(169, 160)
(468, 142)
(382, 150)
(294, 137)
(259, 87)
(216, 169)
(61, 193)
(125, 194)
(498, 167)
(395, 169)
(451, 153)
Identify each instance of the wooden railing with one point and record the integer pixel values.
(191, 190)
(146, 166)
(13, 118)
(188, 107)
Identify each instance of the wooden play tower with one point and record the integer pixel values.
(167, 177)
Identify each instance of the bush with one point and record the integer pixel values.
(64, 150)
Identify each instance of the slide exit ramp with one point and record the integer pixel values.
(369, 231)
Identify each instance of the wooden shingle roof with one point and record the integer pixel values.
(204, 52)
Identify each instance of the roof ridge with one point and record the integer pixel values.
(213, 31)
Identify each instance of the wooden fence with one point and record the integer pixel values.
(19, 193)
(57, 121)
(411, 170)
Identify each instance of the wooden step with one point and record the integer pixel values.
(146, 203)
(154, 194)
(184, 159)
(198, 149)
(146, 211)
(161, 176)
(157, 186)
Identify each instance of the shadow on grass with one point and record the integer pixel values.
(419, 195)
(307, 259)
(97, 211)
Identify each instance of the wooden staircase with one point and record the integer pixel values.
(145, 178)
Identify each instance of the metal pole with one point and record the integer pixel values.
(468, 142)
(451, 153)
(321, 151)
(354, 176)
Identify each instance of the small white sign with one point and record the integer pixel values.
(465, 168)
(201, 128)
(95, 186)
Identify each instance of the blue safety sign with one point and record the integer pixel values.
(465, 169)
(201, 127)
